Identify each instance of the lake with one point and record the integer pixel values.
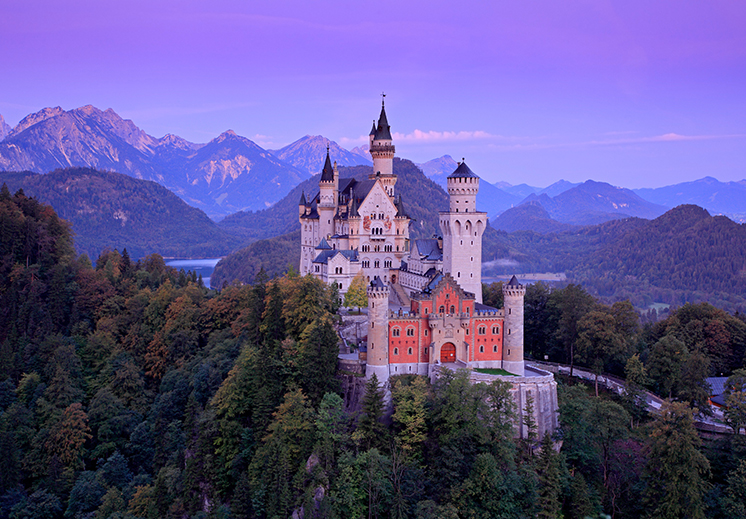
(203, 266)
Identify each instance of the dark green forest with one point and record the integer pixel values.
(130, 390)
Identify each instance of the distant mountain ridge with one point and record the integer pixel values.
(220, 177)
(591, 203)
(728, 198)
(308, 154)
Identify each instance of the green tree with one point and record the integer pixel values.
(357, 293)
(567, 307)
(677, 471)
(550, 480)
(371, 431)
(665, 364)
(634, 393)
(410, 415)
(599, 341)
(282, 455)
(735, 400)
(317, 359)
(735, 493)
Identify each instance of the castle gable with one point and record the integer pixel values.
(377, 202)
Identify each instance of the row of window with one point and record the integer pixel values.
(481, 350)
(482, 330)
(396, 332)
(377, 248)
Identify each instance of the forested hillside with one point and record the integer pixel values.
(130, 391)
(685, 255)
(112, 210)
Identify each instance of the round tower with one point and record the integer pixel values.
(462, 227)
(378, 331)
(513, 294)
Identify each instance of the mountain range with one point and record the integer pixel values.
(220, 177)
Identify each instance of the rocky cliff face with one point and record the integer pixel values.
(308, 154)
(227, 175)
(4, 128)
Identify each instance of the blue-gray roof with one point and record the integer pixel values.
(383, 131)
(463, 171)
(326, 255)
(327, 174)
(323, 245)
(429, 249)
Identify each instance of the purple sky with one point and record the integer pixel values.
(635, 93)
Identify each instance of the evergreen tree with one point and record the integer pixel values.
(371, 431)
(676, 471)
(550, 481)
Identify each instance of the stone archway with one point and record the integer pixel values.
(448, 353)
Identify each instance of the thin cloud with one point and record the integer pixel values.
(433, 136)
(424, 137)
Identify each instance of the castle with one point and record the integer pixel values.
(425, 310)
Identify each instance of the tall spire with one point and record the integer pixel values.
(327, 174)
(383, 131)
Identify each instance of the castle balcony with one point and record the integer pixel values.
(383, 148)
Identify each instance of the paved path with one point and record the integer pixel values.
(712, 423)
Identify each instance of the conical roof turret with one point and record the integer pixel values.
(302, 198)
(323, 245)
(327, 174)
(383, 131)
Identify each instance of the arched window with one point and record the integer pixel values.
(481, 349)
(410, 332)
(395, 332)
(441, 310)
(453, 309)
(494, 348)
(409, 351)
(396, 351)
(495, 330)
(482, 330)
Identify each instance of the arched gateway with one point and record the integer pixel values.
(448, 353)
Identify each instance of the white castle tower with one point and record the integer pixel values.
(382, 151)
(513, 294)
(378, 331)
(462, 227)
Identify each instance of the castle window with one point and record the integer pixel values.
(409, 351)
(494, 348)
(453, 309)
(495, 330)
(410, 332)
(396, 351)
(376, 264)
(366, 264)
(388, 248)
(387, 263)
(425, 334)
(426, 350)
(395, 332)
(481, 349)
(482, 330)
(441, 310)
(317, 268)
